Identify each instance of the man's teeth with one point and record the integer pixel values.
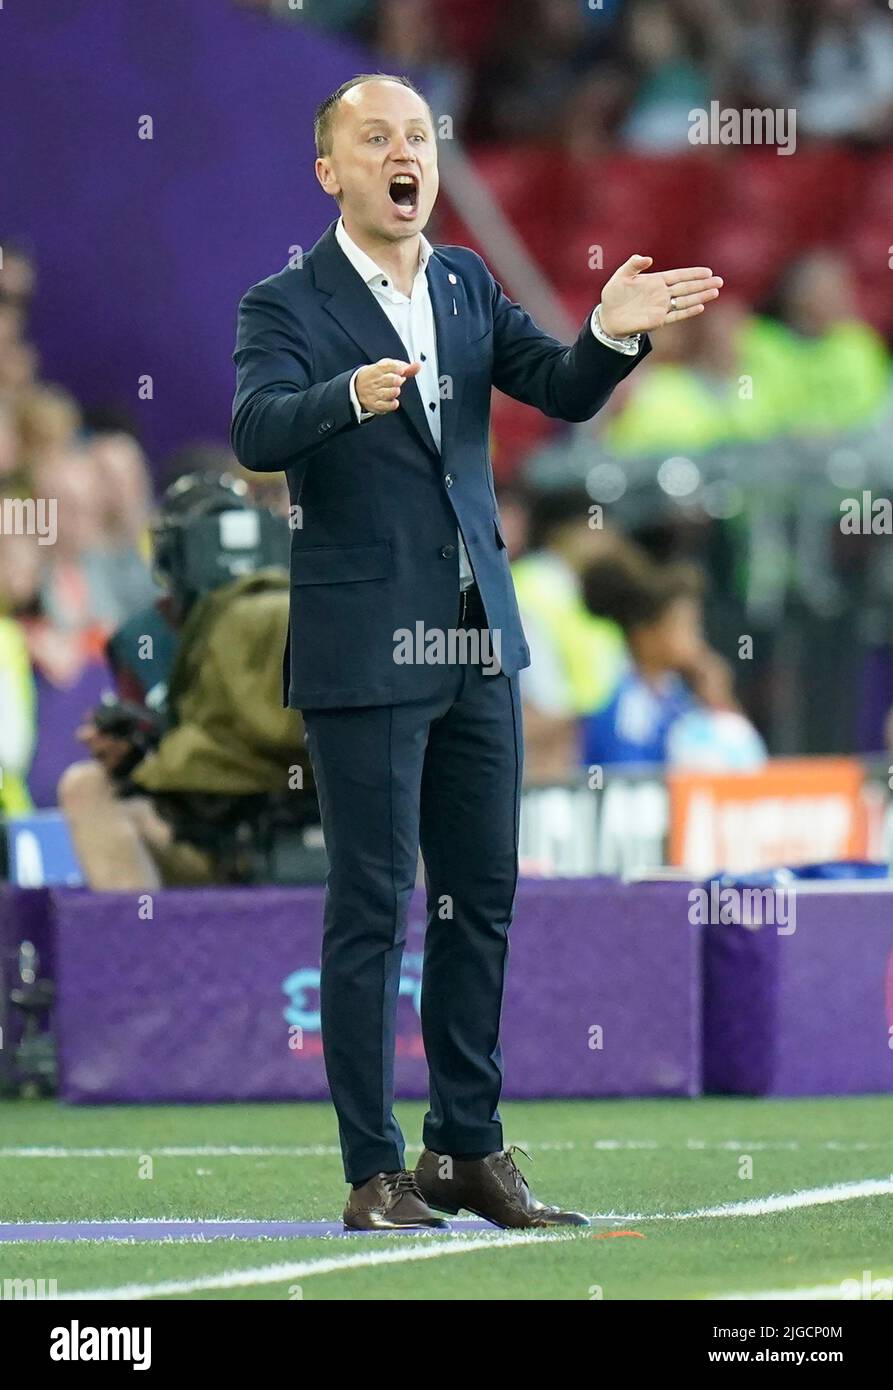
(403, 178)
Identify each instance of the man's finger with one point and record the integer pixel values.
(685, 301)
(635, 264)
(411, 369)
(684, 287)
(678, 314)
(693, 272)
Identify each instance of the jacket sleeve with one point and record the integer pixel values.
(567, 383)
(279, 413)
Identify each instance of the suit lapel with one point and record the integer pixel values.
(452, 332)
(358, 312)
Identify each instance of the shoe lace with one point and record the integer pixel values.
(401, 1184)
(518, 1177)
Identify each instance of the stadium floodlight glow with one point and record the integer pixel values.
(679, 477)
(606, 482)
(847, 468)
(723, 499)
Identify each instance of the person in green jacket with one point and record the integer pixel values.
(17, 719)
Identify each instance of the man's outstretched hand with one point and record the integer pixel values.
(633, 302)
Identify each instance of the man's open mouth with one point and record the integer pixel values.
(404, 190)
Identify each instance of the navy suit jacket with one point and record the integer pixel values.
(377, 505)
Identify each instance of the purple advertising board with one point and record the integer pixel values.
(806, 1012)
(215, 996)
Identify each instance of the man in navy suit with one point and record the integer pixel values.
(366, 375)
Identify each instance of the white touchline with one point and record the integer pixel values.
(766, 1206)
(817, 1292)
(547, 1146)
(184, 1151)
(307, 1269)
(752, 1206)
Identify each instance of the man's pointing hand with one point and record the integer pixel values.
(378, 386)
(633, 302)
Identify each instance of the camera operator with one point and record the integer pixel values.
(196, 768)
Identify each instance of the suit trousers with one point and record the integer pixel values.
(443, 774)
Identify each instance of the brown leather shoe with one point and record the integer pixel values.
(389, 1202)
(493, 1187)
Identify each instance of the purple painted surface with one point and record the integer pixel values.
(805, 1014)
(197, 1004)
(740, 1007)
(60, 712)
(144, 247)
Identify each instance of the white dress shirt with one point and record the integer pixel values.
(413, 321)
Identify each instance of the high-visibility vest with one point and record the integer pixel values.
(592, 650)
(15, 664)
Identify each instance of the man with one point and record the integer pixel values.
(366, 376)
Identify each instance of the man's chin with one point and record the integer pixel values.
(401, 228)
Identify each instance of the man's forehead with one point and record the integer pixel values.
(387, 102)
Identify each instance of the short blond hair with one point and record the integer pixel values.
(324, 119)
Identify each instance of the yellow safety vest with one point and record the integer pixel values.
(16, 664)
(592, 650)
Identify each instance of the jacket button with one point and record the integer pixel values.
(449, 479)
(448, 551)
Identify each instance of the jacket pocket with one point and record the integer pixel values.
(341, 564)
(482, 339)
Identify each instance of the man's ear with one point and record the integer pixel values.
(327, 178)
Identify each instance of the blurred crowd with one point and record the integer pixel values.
(592, 73)
(623, 671)
(76, 506)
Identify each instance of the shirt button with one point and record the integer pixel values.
(449, 479)
(423, 357)
(448, 551)
(432, 405)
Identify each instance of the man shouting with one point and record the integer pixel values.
(366, 376)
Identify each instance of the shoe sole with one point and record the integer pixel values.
(454, 1211)
(399, 1226)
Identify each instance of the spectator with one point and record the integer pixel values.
(537, 53)
(844, 62)
(576, 657)
(667, 46)
(119, 567)
(674, 702)
(695, 392)
(17, 695)
(408, 37)
(825, 369)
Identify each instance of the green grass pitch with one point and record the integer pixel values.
(633, 1159)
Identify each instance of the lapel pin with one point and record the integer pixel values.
(452, 279)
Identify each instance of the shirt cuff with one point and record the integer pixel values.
(360, 413)
(629, 345)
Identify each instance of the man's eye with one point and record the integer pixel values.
(417, 136)
(375, 137)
